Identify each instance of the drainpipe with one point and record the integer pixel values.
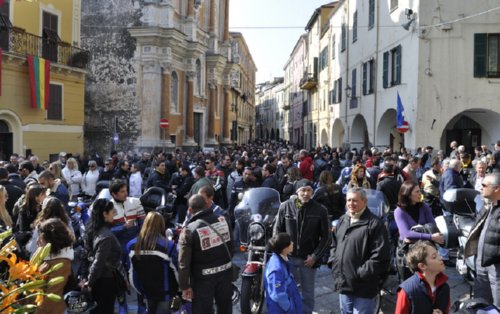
(347, 74)
(375, 91)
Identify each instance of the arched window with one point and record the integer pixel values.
(198, 77)
(174, 93)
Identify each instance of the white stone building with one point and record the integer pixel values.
(444, 64)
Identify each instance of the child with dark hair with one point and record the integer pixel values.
(427, 291)
(282, 295)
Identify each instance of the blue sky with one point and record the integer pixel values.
(271, 47)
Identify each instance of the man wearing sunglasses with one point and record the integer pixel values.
(483, 242)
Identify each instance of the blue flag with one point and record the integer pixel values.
(399, 113)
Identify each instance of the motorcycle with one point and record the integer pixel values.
(254, 217)
(463, 205)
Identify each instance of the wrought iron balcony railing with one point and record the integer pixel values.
(19, 42)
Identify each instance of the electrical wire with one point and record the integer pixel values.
(384, 26)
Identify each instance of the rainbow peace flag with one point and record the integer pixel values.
(39, 72)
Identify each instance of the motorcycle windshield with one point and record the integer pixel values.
(377, 202)
(258, 205)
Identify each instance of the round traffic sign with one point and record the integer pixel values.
(404, 127)
(163, 123)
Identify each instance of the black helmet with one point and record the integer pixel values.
(79, 302)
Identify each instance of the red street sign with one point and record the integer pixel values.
(404, 128)
(163, 123)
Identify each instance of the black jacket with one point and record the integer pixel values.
(270, 182)
(491, 249)
(333, 202)
(362, 255)
(202, 255)
(390, 186)
(159, 180)
(104, 256)
(308, 227)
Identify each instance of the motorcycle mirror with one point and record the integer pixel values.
(169, 234)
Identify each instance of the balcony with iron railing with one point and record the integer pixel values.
(18, 42)
(309, 81)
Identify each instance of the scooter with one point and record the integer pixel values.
(463, 204)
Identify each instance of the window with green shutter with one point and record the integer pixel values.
(365, 78)
(371, 14)
(480, 50)
(486, 55)
(343, 37)
(353, 83)
(385, 74)
(355, 26)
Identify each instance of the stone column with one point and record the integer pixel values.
(211, 114)
(226, 21)
(190, 11)
(211, 19)
(151, 102)
(189, 110)
(226, 123)
(165, 102)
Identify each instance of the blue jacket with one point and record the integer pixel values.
(450, 180)
(282, 295)
(153, 273)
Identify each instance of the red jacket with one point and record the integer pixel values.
(307, 168)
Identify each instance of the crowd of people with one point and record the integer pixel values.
(316, 187)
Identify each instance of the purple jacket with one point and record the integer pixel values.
(405, 222)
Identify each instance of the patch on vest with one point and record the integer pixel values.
(209, 239)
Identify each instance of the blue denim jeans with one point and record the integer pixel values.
(353, 305)
(306, 276)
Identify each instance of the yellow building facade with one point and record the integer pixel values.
(49, 30)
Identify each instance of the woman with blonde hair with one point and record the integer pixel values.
(73, 176)
(153, 260)
(56, 170)
(5, 219)
(358, 178)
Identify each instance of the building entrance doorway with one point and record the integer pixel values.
(6, 144)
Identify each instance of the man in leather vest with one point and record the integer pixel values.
(205, 259)
(483, 241)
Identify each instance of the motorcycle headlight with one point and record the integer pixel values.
(256, 232)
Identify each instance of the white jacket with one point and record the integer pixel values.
(135, 184)
(89, 182)
(73, 178)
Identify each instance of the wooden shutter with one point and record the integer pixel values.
(55, 103)
(339, 91)
(353, 83)
(365, 78)
(385, 73)
(480, 54)
(397, 79)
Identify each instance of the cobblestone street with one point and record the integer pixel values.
(327, 299)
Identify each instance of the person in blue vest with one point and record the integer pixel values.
(427, 291)
(282, 294)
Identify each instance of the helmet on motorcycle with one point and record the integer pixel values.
(79, 302)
